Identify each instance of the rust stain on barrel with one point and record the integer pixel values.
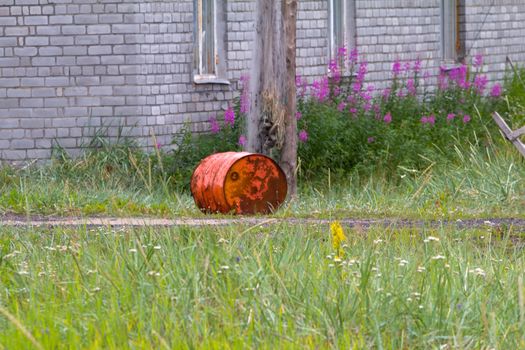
(239, 182)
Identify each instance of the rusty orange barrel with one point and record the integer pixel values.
(239, 182)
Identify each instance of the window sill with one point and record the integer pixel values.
(447, 66)
(210, 79)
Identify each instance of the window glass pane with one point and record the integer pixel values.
(206, 36)
(448, 29)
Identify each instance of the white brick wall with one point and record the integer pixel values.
(70, 66)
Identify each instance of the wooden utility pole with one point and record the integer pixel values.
(288, 161)
(272, 127)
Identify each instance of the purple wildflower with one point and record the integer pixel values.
(424, 119)
(387, 118)
(480, 83)
(158, 145)
(370, 139)
(450, 117)
(242, 141)
(496, 90)
(298, 115)
(353, 55)
(417, 65)
(442, 81)
(367, 107)
(478, 60)
(431, 119)
(396, 67)
(411, 87)
(214, 125)
(320, 89)
(353, 110)
(386, 93)
(341, 52)
(406, 67)
(229, 116)
(303, 136)
(466, 118)
(341, 106)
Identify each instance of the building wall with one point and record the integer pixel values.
(72, 68)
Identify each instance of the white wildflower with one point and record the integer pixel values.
(478, 272)
(421, 269)
(431, 239)
(133, 250)
(438, 257)
(403, 262)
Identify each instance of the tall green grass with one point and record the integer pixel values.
(261, 287)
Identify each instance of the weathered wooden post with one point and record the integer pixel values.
(271, 124)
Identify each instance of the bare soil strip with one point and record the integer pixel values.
(22, 221)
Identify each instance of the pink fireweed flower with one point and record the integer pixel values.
(424, 119)
(356, 87)
(158, 145)
(214, 125)
(478, 60)
(242, 141)
(341, 106)
(353, 110)
(337, 91)
(431, 119)
(366, 96)
(462, 77)
(298, 115)
(320, 89)
(450, 117)
(386, 93)
(442, 81)
(496, 90)
(406, 67)
(466, 118)
(370, 139)
(411, 87)
(361, 73)
(367, 107)
(480, 83)
(341, 52)
(396, 67)
(387, 118)
(333, 71)
(303, 136)
(229, 116)
(417, 65)
(354, 54)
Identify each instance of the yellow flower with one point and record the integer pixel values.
(338, 236)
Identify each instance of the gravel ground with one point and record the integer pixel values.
(518, 225)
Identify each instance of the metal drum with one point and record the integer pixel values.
(238, 182)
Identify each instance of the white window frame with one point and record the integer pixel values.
(449, 31)
(347, 20)
(215, 74)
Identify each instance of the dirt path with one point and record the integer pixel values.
(22, 221)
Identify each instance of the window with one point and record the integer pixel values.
(450, 40)
(342, 25)
(209, 42)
